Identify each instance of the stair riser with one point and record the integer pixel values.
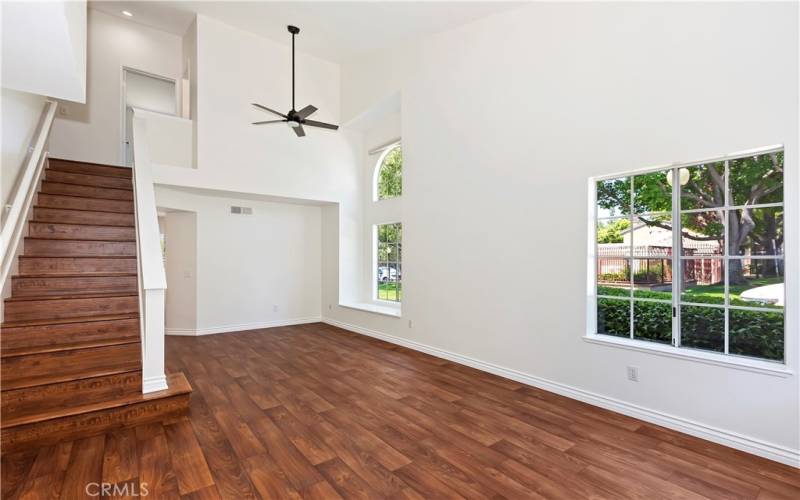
(75, 203)
(84, 285)
(20, 337)
(89, 168)
(82, 217)
(99, 422)
(36, 369)
(80, 232)
(86, 191)
(87, 180)
(71, 265)
(25, 310)
(71, 248)
(55, 397)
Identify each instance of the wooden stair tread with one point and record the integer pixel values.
(76, 239)
(78, 256)
(35, 221)
(77, 319)
(82, 209)
(85, 185)
(73, 296)
(177, 385)
(54, 379)
(126, 170)
(87, 179)
(74, 275)
(24, 351)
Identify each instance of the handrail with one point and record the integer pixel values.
(152, 278)
(24, 191)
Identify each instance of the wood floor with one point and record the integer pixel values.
(317, 412)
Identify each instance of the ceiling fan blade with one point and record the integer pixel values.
(307, 111)
(299, 131)
(270, 121)
(269, 110)
(320, 124)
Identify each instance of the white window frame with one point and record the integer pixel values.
(778, 368)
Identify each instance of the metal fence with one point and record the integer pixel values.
(651, 266)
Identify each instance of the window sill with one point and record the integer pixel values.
(395, 312)
(738, 363)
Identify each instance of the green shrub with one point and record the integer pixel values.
(613, 291)
(652, 321)
(703, 328)
(752, 333)
(756, 333)
(613, 317)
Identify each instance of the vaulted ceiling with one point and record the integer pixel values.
(336, 31)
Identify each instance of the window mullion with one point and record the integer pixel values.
(677, 267)
(631, 308)
(725, 252)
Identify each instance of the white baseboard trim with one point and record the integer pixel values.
(240, 327)
(153, 384)
(755, 446)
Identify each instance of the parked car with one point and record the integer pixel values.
(386, 273)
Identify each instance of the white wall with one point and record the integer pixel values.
(44, 48)
(20, 116)
(503, 122)
(189, 42)
(233, 155)
(252, 271)
(92, 131)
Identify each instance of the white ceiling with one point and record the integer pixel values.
(336, 31)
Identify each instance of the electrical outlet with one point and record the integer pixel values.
(633, 374)
(275, 308)
(330, 307)
(409, 323)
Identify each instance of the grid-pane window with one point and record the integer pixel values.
(389, 253)
(694, 256)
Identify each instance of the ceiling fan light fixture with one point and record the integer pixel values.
(295, 119)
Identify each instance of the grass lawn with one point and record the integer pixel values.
(703, 294)
(389, 291)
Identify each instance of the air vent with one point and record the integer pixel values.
(242, 210)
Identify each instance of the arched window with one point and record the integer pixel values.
(389, 174)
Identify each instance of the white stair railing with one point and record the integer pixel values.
(16, 211)
(152, 278)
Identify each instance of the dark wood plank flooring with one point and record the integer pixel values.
(313, 411)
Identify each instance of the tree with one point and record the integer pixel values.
(611, 231)
(390, 174)
(753, 180)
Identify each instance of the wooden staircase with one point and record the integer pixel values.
(70, 341)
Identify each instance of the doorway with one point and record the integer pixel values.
(145, 91)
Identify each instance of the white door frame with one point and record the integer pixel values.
(124, 100)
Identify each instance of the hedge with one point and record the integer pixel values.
(752, 333)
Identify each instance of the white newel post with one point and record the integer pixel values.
(152, 278)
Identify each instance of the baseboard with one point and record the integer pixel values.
(153, 384)
(240, 327)
(755, 446)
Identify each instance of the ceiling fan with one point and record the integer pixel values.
(295, 119)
